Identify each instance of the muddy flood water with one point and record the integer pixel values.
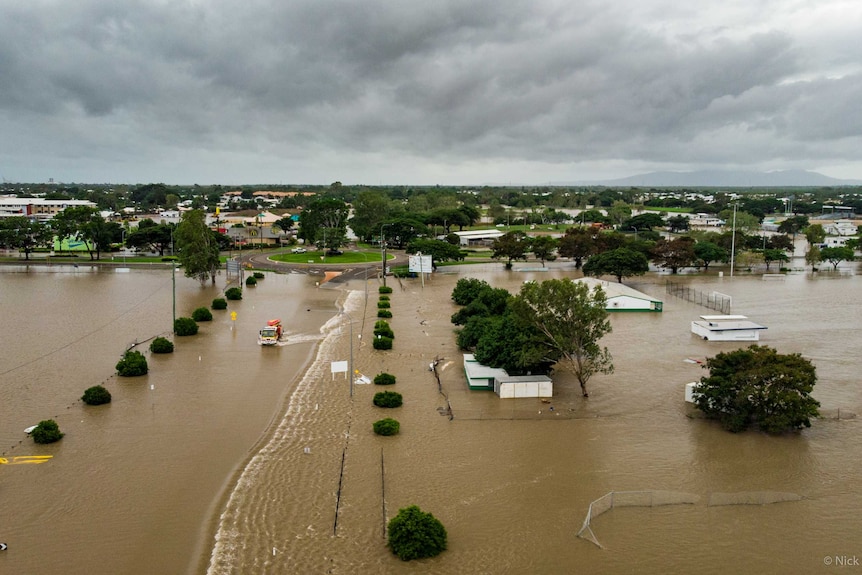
(230, 458)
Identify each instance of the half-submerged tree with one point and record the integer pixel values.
(758, 386)
(572, 319)
(198, 247)
(621, 262)
(415, 534)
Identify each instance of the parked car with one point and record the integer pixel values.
(299, 250)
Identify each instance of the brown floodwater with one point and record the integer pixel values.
(231, 458)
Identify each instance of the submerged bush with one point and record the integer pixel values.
(219, 303)
(259, 275)
(415, 534)
(386, 426)
(384, 313)
(384, 379)
(233, 293)
(384, 289)
(162, 345)
(387, 399)
(96, 395)
(185, 326)
(251, 281)
(202, 314)
(382, 342)
(383, 305)
(383, 328)
(384, 298)
(47, 432)
(133, 364)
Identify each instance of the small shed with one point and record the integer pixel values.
(691, 391)
(622, 297)
(514, 386)
(726, 328)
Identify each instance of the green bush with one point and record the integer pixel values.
(383, 305)
(384, 313)
(185, 326)
(415, 534)
(384, 298)
(133, 364)
(202, 314)
(47, 432)
(383, 328)
(251, 281)
(96, 395)
(162, 345)
(384, 289)
(219, 303)
(259, 275)
(387, 399)
(382, 342)
(386, 426)
(233, 293)
(384, 379)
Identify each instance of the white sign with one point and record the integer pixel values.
(420, 264)
(339, 367)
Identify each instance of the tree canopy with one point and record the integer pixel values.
(572, 319)
(510, 246)
(758, 386)
(621, 262)
(24, 234)
(197, 246)
(836, 255)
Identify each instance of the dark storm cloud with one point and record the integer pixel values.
(441, 83)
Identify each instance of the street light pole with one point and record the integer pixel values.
(383, 245)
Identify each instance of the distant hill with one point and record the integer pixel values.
(724, 179)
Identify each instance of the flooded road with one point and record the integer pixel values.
(177, 474)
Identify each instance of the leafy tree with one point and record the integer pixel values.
(577, 244)
(387, 399)
(836, 255)
(621, 262)
(151, 236)
(324, 223)
(572, 320)
(758, 386)
(793, 225)
(47, 432)
(773, 255)
(284, 224)
(780, 242)
(645, 221)
(24, 234)
(468, 289)
(543, 248)
(439, 250)
(415, 534)
(96, 395)
(619, 212)
(815, 234)
(488, 302)
(162, 345)
(593, 216)
(382, 343)
(386, 426)
(184, 326)
(678, 223)
(382, 327)
(674, 254)
(233, 293)
(813, 256)
(82, 223)
(219, 303)
(511, 246)
(197, 246)
(708, 252)
(384, 379)
(202, 314)
(745, 222)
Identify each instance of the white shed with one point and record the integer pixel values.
(622, 297)
(726, 328)
(513, 386)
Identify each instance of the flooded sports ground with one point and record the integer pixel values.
(230, 458)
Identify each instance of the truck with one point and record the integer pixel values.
(271, 334)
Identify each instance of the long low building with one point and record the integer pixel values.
(38, 208)
(622, 297)
(726, 328)
(482, 377)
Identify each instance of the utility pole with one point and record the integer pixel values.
(383, 245)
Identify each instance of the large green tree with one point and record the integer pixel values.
(510, 246)
(543, 248)
(758, 386)
(23, 234)
(151, 236)
(621, 262)
(439, 250)
(324, 223)
(86, 224)
(674, 254)
(708, 252)
(197, 247)
(578, 243)
(572, 320)
(836, 255)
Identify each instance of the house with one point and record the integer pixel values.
(726, 328)
(622, 297)
(482, 377)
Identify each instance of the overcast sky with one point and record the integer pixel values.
(425, 92)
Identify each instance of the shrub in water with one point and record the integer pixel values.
(162, 345)
(414, 534)
(47, 432)
(387, 399)
(251, 281)
(133, 364)
(96, 395)
(383, 328)
(258, 275)
(384, 289)
(386, 426)
(384, 313)
(185, 326)
(384, 379)
(233, 293)
(202, 314)
(384, 298)
(382, 342)
(219, 303)
(383, 305)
